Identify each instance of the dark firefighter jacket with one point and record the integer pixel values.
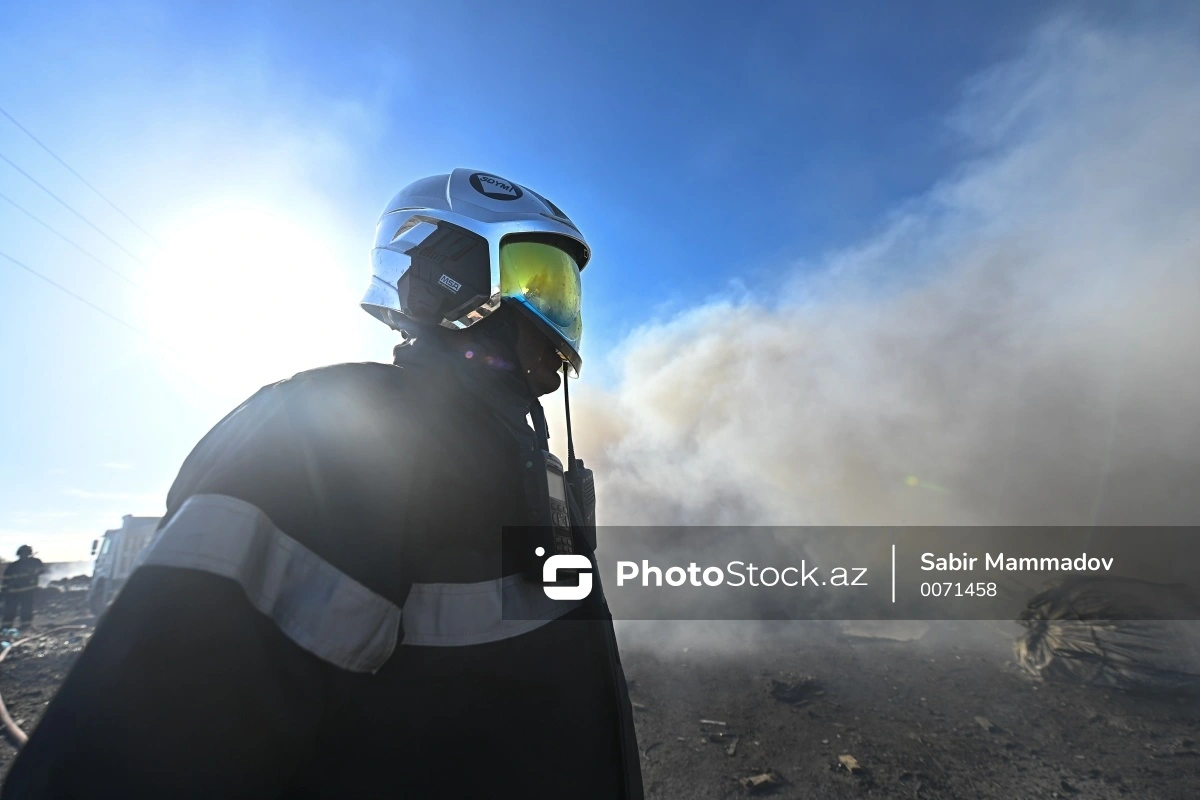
(319, 616)
(22, 575)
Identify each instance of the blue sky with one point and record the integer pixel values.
(699, 146)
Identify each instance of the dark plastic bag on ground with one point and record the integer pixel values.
(1117, 632)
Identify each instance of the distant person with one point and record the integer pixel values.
(19, 587)
(344, 599)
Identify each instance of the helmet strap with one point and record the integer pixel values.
(540, 428)
(498, 328)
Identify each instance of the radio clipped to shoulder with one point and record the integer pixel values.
(550, 515)
(562, 502)
(582, 493)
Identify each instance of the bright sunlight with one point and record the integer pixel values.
(248, 296)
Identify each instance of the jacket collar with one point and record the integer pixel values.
(491, 381)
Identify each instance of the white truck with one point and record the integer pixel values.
(115, 556)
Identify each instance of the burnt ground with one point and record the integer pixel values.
(948, 716)
(31, 674)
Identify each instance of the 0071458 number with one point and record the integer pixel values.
(958, 589)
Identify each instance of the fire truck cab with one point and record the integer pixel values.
(115, 555)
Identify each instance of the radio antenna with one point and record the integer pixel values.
(567, 406)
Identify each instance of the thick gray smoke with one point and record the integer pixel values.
(1021, 345)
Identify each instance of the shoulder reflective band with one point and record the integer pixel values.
(318, 607)
(327, 612)
(461, 614)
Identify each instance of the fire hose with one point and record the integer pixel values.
(14, 730)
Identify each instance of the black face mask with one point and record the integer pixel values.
(490, 346)
(475, 371)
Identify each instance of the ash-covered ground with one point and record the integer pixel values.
(808, 711)
(32, 673)
(825, 715)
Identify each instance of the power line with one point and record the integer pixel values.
(88, 303)
(71, 242)
(83, 180)
(139, 331)
(67, 205)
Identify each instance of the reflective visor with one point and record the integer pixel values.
(547, 280)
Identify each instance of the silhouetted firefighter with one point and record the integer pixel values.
(346, 595)
(20, 585)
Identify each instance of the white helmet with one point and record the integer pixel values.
(449, 249)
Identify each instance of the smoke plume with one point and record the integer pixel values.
(1020, 345)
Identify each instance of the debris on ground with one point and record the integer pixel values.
(723, 734)
(906, 747)
(796, 690)
(1115, 632)
(849, 763)
(763, 782)
(896, 631)
(986, 724)
(77, 583)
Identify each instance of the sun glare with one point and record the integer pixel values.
(247, 296)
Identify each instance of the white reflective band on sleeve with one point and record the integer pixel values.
(317, 606)
(461, 614)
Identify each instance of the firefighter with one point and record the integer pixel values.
(19, 587)
(339, 601)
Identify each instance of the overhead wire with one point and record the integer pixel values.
(83, 180)
(41, 276)
(70, 241)
(70, 208)
(74, 295)
(88, 303)
(181, 375)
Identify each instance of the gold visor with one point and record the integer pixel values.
(547, 280)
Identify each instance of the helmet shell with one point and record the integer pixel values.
(436, 258)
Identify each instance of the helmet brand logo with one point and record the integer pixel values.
(450, 283)
(495, 188)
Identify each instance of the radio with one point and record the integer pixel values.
(562, 503)
(549, 510)
(582, 494)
